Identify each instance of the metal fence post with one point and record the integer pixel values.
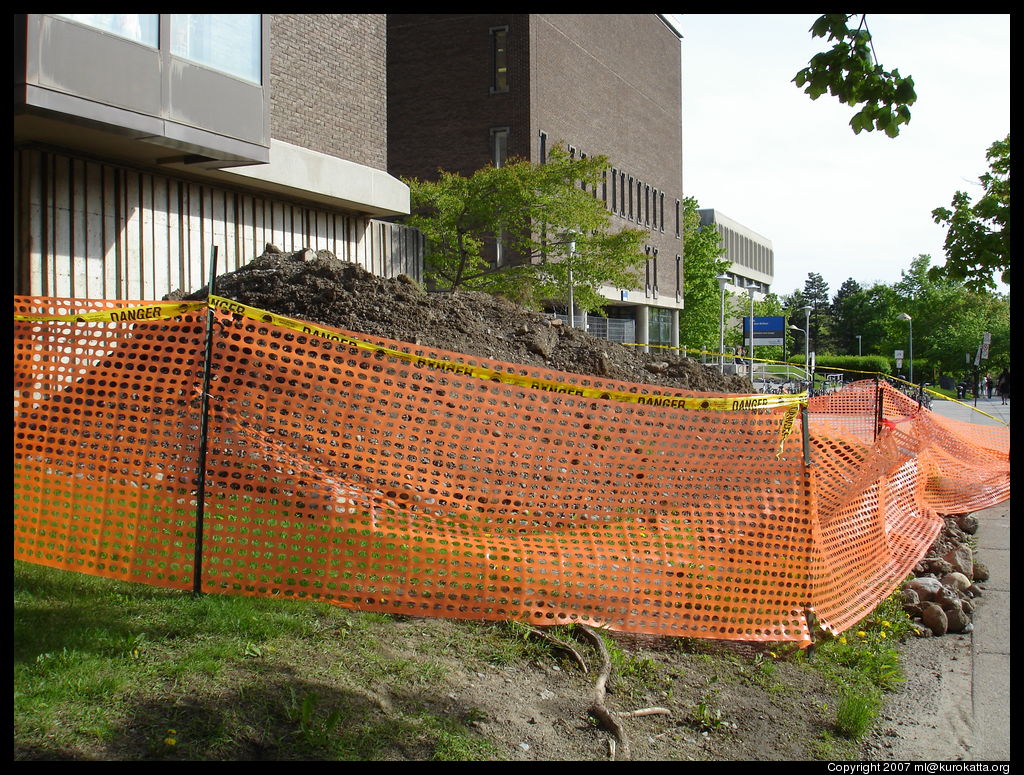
(809, 500)
(197, 570)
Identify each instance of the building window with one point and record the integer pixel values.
(499, 146)
(648, 285)
(661, 209)
(543, 147)
(615, 188)
(639, 199)
(659, 327)
(499, 154)
(604, 187)
(679, 278)
(647, 205)
(229, 42)
(677, 219)
(631, 198)
(654, 260)
(499, 56)
(622, 194)
(142, 28)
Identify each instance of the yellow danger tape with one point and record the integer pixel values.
(731, 403)
(165, 310)
(158, 311)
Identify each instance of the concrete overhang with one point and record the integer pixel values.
(305, 174)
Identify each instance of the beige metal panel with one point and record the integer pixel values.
(63, 280)
(90, 229)
(93, 247)
(109, 231)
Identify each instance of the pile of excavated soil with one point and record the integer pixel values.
(320, 288)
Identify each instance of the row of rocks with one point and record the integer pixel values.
(941, 596)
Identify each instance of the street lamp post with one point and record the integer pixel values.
(784, 357)
(750, 290)
(572, 302)
(722, 280)
(858, 345)
(807, 344)
(910, 322)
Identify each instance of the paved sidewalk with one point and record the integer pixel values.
(990, 640)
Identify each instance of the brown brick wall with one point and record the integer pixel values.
(328, 84)
(607, 84)
(441, 106)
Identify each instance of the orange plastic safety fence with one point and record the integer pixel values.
(391, 477)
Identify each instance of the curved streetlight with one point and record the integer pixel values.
(571, 234)
(910, 321)
(806, 309)
(722, 280)
(784, 356)
(858, 344)
(751, 288)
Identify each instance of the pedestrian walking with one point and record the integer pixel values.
(989, 384)
(1003, 386)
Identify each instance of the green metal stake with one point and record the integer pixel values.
(197, 573)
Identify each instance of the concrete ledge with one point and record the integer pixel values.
(306, 174)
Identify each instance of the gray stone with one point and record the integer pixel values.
(980, 571)
(961, 559)
(926, 587)
(910, 596)
(947, 597)
(956, 618)
(957, 581)
(934, 618)
(968, 523)
(936, 565)
(920, 630)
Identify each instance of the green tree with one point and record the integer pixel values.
(977, 242)
(851, 72)
(702, 247)
(848, 317)
(815, 294)
(949, 318)
(547, 218)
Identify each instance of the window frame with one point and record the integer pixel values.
(499, 70)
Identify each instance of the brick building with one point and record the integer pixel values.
(143, 140)
(465, 90)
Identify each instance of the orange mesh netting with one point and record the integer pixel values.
(384, 476)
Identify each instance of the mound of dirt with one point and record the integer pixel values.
(318, 287)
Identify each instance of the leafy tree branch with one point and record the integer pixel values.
(850, 72)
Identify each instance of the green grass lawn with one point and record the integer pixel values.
(111, 670)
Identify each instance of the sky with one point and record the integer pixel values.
(760, 151)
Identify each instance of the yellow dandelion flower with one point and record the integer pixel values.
(881, 634)
(861, 634)
(886, 624)
(842, 639)
(170, 741)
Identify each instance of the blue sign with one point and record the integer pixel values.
(767, 331)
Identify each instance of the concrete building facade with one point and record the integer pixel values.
(750, 255)
(143, 140)
(468, 90)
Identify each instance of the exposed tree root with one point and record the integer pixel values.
(598, 709)
(562, 645)
(647, 712)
